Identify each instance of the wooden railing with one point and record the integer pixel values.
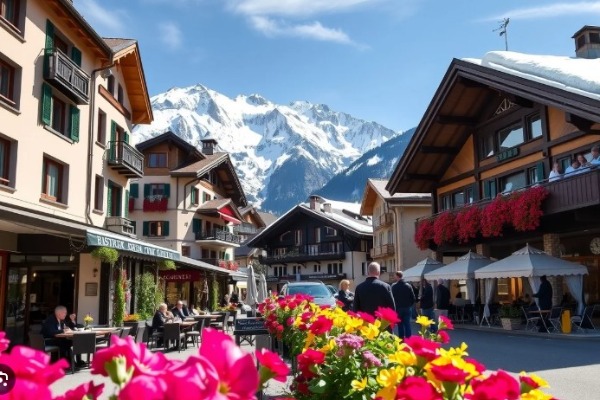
(126, 159)
(68, 77)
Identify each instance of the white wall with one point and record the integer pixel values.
(88, 304)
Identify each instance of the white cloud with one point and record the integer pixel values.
(170, 34)
(295, 8)
(109, 22)
(313, 30)
(551, 11)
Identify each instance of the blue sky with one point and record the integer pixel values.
(379, 60)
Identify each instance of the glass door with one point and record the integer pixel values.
(16, 305)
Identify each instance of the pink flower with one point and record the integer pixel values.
(85, 390)
(145, 387)
(321, 325)
(445, 323)
(272, 366)
(232, 365)
(4, 342)
(449, 373)
(424, 348)
(416, 388)
(366, 317)
(498, 386)
(388, 315)
(443, 337)
(201, 380)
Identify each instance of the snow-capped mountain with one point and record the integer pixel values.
(282, 153)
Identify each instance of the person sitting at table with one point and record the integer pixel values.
(180, 311)
(192, 310)
(56, 324)
(161, 317)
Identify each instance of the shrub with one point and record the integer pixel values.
(145, 289)
(495, 216)
(165, 265)
(527, 209)
(105, 254)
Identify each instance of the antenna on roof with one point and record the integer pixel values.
(502, 31)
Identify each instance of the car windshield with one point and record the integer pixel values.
(311, 290)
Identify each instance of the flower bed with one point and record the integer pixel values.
(354, 356)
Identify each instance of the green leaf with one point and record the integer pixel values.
(319, 387)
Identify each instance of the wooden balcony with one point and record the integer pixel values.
(245, 228)
(219, 262)
(304, 253)
(573, 192)
(125, 159)
(384, 220)
(218, 237)
(68, 77)
(382, 251)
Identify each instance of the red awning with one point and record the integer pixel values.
(229, 218)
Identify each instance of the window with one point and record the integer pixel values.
(101, 127)
(99, 193)
(120, 94)
(298, 237)
(7, 82)
(446, 202)
(296, 269)
(110, 84)
(363, 245)
(156, 228)
(534, 127)
(317, 268)
(113, 200)
(52, 182)
(60, 117)
(510, 137)
(157, 160)
(329, 231)
(9, 10)
(5, 162)
(157, 189)
(513, 182)
(317, 235)
(487, 146)
(363, 268)
(580, 41)
(458, 199)
(334, 268)
(280, 271)
(594, 37)
(185, 251)
(503, 286)
(194, 195)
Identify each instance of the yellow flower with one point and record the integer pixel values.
(424, 321)
(402, 357)
(310, 338)
(539, 381)
(329, 346)
(390, 377)
(353, 324)
(359, 386)
(386, 393)
(369, 332)
(536, 394)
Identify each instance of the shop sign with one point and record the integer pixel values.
(95, 239)
(181, 275)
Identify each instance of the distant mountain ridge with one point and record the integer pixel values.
(282, 153)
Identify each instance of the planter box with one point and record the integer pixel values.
(511, 324)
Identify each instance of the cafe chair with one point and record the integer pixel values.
(37, 341)
(221, 322)
(531, 319)
(554, 319)
(83, 343)
(139, 334)
(193, 334)
(584, 321)
(231, 321)
(153, 336)
(172, 333)
(124, 332)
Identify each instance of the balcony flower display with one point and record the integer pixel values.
(444, 228)
(468, 224)
(496, 215)
(527, 209)
(156, 203)
(346, 355)
(424, 233)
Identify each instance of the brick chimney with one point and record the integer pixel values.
(314, 201)
(587, 42)
(208, 146)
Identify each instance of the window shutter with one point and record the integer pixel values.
(46, 104)
(192, 197)
(126, 137)
(146, 190)
(126, 208)
(49, 48)
(119, 205)
(146, 228)
(167, 190)
(113, 137)
(76, 56)
(109, 201)
(134, 188)
(539, 172)
(475, 193)
(74, 123)
(165, 228)
(196, 225)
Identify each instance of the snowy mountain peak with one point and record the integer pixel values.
(282, 153)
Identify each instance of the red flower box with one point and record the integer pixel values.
(423, 234)
(159, 205)
(468, 224)
(496, 215)
(444, 228)
(527, 209)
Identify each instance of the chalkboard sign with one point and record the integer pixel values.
(250, 326)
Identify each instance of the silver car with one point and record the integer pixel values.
(317, 290)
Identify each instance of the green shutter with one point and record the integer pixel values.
(109, 200)
(475, 193)
(134, 188)
(539, 172)
(119, 205)
(49, 48)
(126, 208)
(74, 123)
(165, 228)
(146, 190)
(113, 138)
(76, 55)
(193, 197)
(196, 225)
(167, 190)
(146, 228)
(46, 104)
(126, 137)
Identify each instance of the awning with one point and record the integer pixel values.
(97, 237)
(229, 218)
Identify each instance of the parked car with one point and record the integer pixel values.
(333, 290)
(317, 290)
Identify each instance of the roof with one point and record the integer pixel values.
(250, 210)
(170, 138)
(585, 28)
(376, 188)
(268, 218)
(463, 99)
(118, 44)
(217, 205)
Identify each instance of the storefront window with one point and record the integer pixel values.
(15, 305)
(177, 291)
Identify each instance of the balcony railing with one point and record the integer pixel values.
(125, 159)
(245, 228)
(307, 252)
(384, 220)
(219, 262)
(573, 192)
(382, 251)
(120, 225)
(218, 235)
(68, 77)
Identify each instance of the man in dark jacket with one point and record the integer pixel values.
(544, 294)
(58, 323)
(427, 302)
(180, 311)
(442, 298)
(373, 293)
(404, 298)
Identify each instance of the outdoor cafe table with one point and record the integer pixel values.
(203, 316)
(543, 315)
(98, 331)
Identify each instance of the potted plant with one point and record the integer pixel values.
(87, 322)
(510, 317)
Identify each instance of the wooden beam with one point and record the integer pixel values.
(438, 150)
(520, 101)
(422, 177)
(470, 83)
(581, 123)
(456, 120)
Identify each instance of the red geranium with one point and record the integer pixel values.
(271, 366)
(424, 233)
(449, 373)
(498, 386)
(321, 325)
(444, 228)
(416, 388)
(527, 209)
(387, 315)
(422, 347)
(495, 216)
(468, 223)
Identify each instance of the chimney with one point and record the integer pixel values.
(208, 146)
(327, 207)
(587, 42)
(314, 200)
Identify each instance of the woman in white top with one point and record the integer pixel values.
(572, 169)
(555, 174)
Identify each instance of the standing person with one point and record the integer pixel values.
(57, 323)
(442, 297)
(345, 295)
(427, 302)
(373, 292)
(404, 298)
(544, 294)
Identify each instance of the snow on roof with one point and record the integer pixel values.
(338, 216)
(380, 184)
(576, 75)
(340, 205)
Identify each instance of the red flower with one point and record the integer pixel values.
(4, 342)
(478, 366)
(309, 358)
(449, 373)
(86, 390)
(416, 388)
(321, 325)
(424, 233)
(424, 348)
(468, 224)
(444, 228)
(443, 336)
(498, 386)
(495, 216)
(388, 315)
(272, 366)
(366, 317)
(445, 323)
(527, 209)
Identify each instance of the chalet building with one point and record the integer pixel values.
(254, 221)
(322, 240)
(394, 218)
(188, 201)
(496, 126)
(68, 100)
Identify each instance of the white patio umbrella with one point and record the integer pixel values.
(251, 291)
(262, 288)
(416, 273)
(532, 263)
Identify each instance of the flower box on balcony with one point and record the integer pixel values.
(156, 204)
